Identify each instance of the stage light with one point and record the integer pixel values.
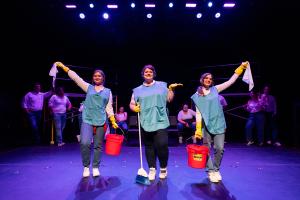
(229, 5)
(147, 5)
(132, 5)
(82, 16)
(149, 15)
(112, 6)
(210, 4)
(105, 16)
(217, 15)
(190, 5)
(171, 5)
(92, 5)
(71, 6)
(199, 15)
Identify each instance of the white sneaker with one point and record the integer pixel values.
(86, 172)
(152, 173)
(218, 175)
(269, 142)
(212, 177)
(163, 173)
(96, 172)
(277, 144)
(250, 143)
(180, 140)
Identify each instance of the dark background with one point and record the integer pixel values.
(181, 47)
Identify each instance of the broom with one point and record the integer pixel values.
(142, 176)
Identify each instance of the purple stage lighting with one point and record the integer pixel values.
(82, 16)
(229, 5)
(190, 5)
(105, 16)
(112, 6)
(70, 6)
(147, 5)
(199, 15)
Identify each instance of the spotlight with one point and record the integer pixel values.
(92, 5)
(105, 16)
(132, 5)
(199, 15)
(82, 16)
(229, 5)
(171, 5)
(71, 6)
(217, 15)
(149, 16)
(112, 6)
(147, 5)
(210, 4)
(190, 5)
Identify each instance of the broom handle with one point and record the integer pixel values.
(140, 140)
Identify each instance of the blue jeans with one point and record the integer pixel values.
(182, 128)
(271, 127)
(256, 120)
(86, 135)
(123, 125)
(35, 119)
(60, 123)
(218, 139)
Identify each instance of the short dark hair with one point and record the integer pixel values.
(148, 66)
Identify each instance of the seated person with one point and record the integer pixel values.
(121, 118)
(186, 120)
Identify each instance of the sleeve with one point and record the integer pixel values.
(193, 113)
(109, 109)
(198, 115)
(79, 81)
(228, 83)
(25, 101)
(179, 116)
(69, 105)
(51, 102)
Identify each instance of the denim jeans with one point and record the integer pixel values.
(156, 146)
(256, 120)
(271, 127)
(86, 135)
(60, 123)
(35, 119)
(213, 164)
(183, 129)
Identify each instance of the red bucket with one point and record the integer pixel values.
(197, 155)
(113, 144)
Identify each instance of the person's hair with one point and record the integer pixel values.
(148, 67)
(101, 72)
(204, 75)
(57, 89)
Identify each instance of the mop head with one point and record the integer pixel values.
(142, 177)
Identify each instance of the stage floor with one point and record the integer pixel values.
(51, 172)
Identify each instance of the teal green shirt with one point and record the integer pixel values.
(211, 111)
(94, 106)
(153, 102)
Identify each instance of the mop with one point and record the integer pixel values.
(142, 176)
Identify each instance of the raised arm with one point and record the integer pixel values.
(238, 71)
(79, 81)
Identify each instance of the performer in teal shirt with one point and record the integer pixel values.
(150, 99)
(97, 106)
(210, 118)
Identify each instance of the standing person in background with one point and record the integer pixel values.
(210, 118)
(270, 116)
(33, 103)
(121, 118)
(150, 99)
(97, 106)
(59, 104)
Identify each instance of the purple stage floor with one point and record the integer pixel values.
(50, 172)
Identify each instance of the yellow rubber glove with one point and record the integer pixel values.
(113, 122)
(59, 64)
(174, 85)
(137, 108)
(198, 132)
(241, 68)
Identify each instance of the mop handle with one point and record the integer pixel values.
(140, 140)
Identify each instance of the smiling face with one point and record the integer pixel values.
(98, 77)
(148, 75)
(206, 80)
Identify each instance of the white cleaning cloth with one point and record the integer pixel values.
(53, 72)
(247, 78)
